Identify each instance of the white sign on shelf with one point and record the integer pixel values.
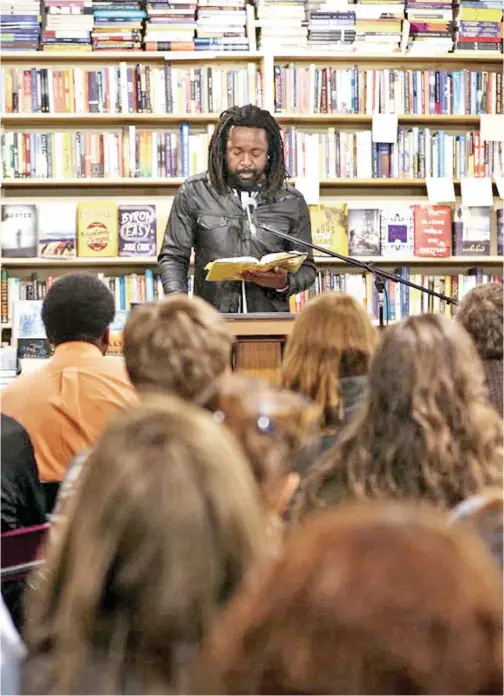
(500, 186)
(440, 190)
(476, 193)
(492, 127)
(384, 128)
(309, 186)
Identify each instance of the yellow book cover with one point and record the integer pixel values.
(232, 269)
(97, 228)
(469, 14)
(329, 227)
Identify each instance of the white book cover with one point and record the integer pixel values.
(57, 230)
(397, 237)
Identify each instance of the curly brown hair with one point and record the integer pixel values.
(332, 338)
(178, 345)
(367, 599)
(425, 429)
(481, 313)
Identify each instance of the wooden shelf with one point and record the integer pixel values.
(101, 261)
(402, 59)
(171, 182)
(130, 56)
(91, 261)
(76, 120)
(86, 119)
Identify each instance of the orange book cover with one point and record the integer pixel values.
(433, 230)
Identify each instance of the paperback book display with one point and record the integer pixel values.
(170, 25)
(221, 26)
(20, 25)
(282, 26)
(118, 25)
(67, 26)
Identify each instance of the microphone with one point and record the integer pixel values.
(249, 204)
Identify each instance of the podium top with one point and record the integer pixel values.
(260, 316)
(264, 325)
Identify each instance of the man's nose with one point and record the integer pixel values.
(246, 160)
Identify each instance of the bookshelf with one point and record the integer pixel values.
(363, 192)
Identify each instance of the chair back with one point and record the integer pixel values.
(20, 551)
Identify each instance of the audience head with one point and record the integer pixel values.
(425, 429)
(178, 345)
(78, 307)
(367, 599)
(332, 338)
(484, 513)
(163, 527)
(272, 426)
(481, 314)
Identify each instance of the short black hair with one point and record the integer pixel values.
(78, 307)
(248, 116)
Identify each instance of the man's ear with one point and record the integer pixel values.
(104, 341)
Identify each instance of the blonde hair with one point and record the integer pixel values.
(163, 528)
(271, 424)
(332, 338)
(425, 429)
(179, 345)
(481, 314)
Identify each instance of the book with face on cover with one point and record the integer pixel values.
(57, 230)
(364, 232)
(397, 231)
(232, 269)
(19, 230)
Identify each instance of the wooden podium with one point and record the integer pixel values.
(260, 339)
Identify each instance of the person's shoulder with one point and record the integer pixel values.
(196, 181)
(291, 191)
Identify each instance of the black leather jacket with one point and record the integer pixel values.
(216, 226)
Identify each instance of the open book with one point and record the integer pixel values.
(232, 269)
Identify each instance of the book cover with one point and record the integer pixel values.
(471, 231)
(233, 268)
(137, 230)
(57, 230)
(28, 331)
(97, 228)
(397, 232)
(116, 330)
(19, 230)
(364, 232)
(500, 231)
(329, 227)
(432, 230)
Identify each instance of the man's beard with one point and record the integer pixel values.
(253, 183)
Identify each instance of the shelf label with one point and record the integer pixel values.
(492, 127)
(500, 186)
(440, 190)
(384, 128)
(309, 186)
(476, 193)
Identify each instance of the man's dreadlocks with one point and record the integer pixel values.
(249, 116)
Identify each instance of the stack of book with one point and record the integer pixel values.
(118, 24)
(67, 26)
(170, 25)
(221, 26)
(431, 26)
(479, 25)
(331, 25)
(378, 26)
(20, 25)
(282, 24)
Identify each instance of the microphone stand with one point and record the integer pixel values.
(380, 276)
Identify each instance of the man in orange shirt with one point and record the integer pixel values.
(66, 403)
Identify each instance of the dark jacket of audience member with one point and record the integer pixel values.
(481, 314)
(376, 598)
(22, 497)
(425, 430)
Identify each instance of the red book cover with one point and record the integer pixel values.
(432, 225)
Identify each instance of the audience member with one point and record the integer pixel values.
(11, 653)
(23, 502)
(425, 430)
(367, 599)
(177, 346)
(481, 314)
(484, 512)
(327, 358)
(164, 525)
(272, 425)
(65, 404)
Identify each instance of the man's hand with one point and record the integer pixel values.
(275, 279)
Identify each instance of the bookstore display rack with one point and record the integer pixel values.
(127, 126)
